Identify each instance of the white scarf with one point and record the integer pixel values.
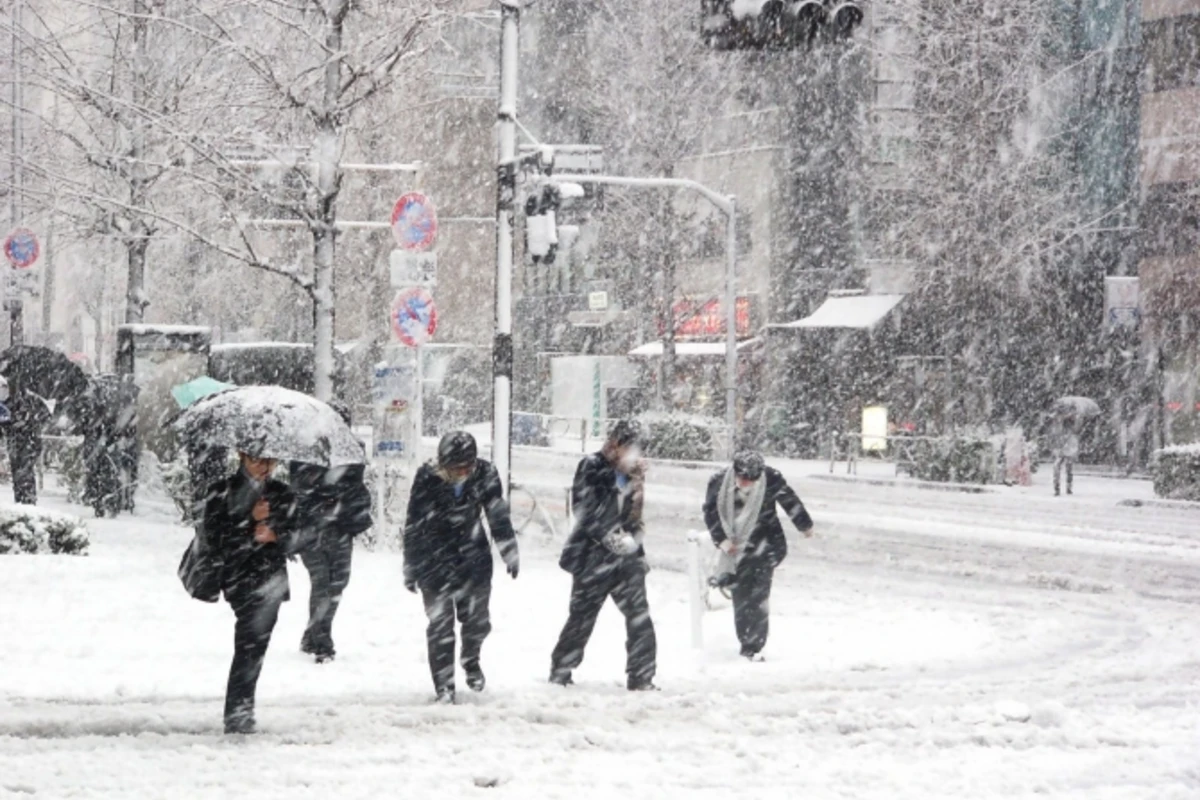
(739, 526)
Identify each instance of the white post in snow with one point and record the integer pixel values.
(696, 591)
(506, 190)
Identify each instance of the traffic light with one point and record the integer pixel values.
(541, 224)
(777, 24)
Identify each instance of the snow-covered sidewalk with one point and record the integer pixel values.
(907, 659)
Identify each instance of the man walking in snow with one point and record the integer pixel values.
(335, 506)
(605, 557)
(739, 510)
(448, 557)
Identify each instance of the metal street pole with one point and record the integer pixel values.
(506, 190)
(12, 293)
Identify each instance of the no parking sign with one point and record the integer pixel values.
(413, 316)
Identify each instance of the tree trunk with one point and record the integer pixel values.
(325, 229)
(137, 241)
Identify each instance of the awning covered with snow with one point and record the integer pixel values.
(863, 311)
(688, 349)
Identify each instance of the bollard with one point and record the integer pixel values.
(696, 582)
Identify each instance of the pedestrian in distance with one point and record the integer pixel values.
(605, 558)
(1064, 445)
(250, 517)
(448, 557)
(740, 512)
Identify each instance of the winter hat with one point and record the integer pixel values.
(457, 449)
(748, 464)
(626, 432)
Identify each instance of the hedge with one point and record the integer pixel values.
(27, 529)
(1177, 472)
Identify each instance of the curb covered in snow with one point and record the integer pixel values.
(968, 488)
(1177, 505)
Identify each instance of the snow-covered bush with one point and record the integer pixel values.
(954, 460)
(26, 529)
(1177, 472)
(681, 437)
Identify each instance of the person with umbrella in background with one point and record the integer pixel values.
(39, 378)
(605, 558)
(448, 558)
(335, 505)
(1067, 415)
(740, 512)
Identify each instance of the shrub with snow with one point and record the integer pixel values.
(1177, 472)
(681, 437)
(27, 529)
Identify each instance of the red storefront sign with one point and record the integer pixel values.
(700, 320)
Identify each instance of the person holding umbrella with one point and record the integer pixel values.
(740, 512)
(1068, 413)
(250, 516)
(447, 556)
(39, 378)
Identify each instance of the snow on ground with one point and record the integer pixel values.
(924, 645)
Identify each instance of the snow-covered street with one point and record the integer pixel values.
(926, 644)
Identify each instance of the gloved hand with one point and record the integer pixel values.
(411, 585)
(513, 564)
(620, 543)
(728, 547)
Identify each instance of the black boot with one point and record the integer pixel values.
(475, 680)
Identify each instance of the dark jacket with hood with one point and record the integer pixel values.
(445, 544)
(767, 540)
(600, 508)
(229, 527)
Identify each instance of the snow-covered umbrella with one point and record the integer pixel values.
(1079, 406)
(272, 422)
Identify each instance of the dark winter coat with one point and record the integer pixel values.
(228, 527)
(331, 501)
(766, 540)
(597, 504)
(445, 544)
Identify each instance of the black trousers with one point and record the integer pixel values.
(257, 611)
(1059, 463)
(751, 600)
(328, 565)
(23, 454)
(468, 604)
(625, 582)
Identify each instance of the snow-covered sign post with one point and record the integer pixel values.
(412, 318)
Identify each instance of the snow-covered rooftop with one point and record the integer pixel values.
(688, 348)
(858, 311)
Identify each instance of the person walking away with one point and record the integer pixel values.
(29, 414)
(447, 556)
(740, 512)
(333, 506)
(1065, 447)
(250, 518)
(605, 557)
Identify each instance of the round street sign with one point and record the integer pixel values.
(414, 222)
(413, 316)
(22, 248)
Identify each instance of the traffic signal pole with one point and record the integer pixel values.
(727, 205)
